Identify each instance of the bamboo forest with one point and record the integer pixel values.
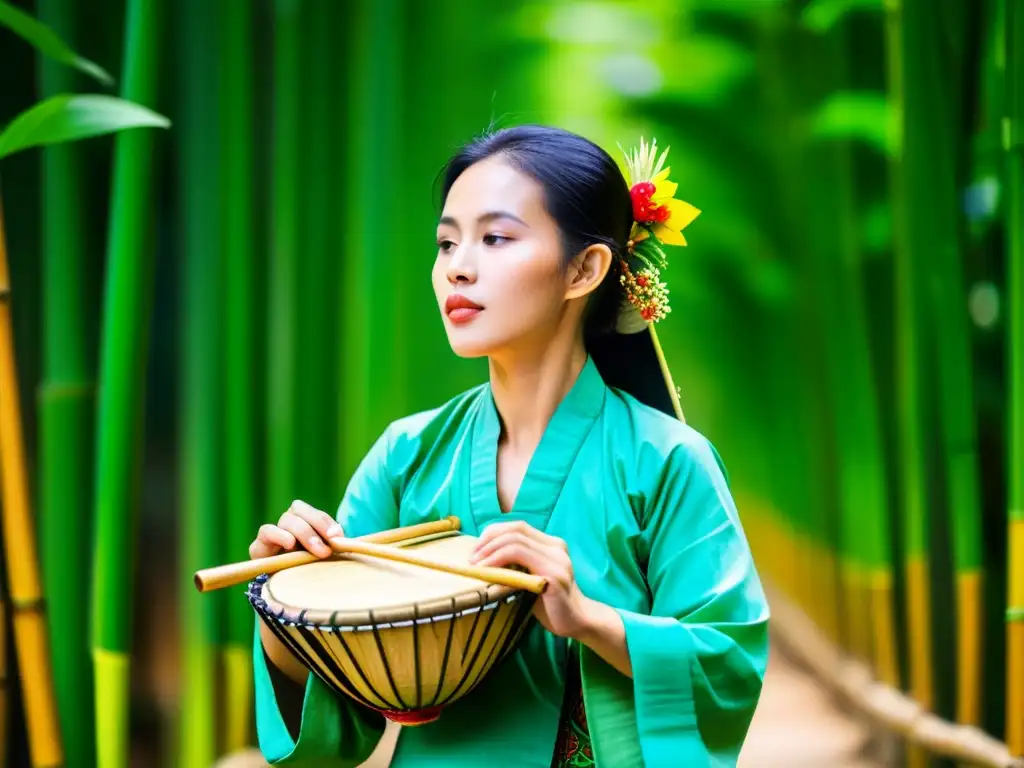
(217, 232)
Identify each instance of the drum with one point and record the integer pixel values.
(401, 639)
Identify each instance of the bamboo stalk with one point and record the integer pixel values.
(5, 666)
(283, 310)
(936, 112)
(237, 152)
(510, 84)
(1014, 138)
(802, 401)
(356, 336)
(372, 371)
(233, 574)
(909, 366)
(66, 409)
(862, 475)
(318, 263)
(31, 633)
(785, 496)
(201, 389)
(124, 345)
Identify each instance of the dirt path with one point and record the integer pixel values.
(797, 725)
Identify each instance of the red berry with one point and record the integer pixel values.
(644, 189)
(640, 194)
(646, 313)
(641, 281)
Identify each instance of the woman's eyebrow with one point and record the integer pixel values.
(485, 217)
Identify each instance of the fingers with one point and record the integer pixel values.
(325, 525)
(518, 552)
(508, 538)
(498, 530)
(301, 524)
(306, 535)
(518, 548)
(269, 541)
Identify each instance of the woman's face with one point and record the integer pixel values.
(500, 277)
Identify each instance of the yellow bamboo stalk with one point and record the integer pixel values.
(805, 569)
(856, 631)
(795, 563)
(4, 676)
(237, 667)
(970, 598)
(785, 554)
(919, 625)
(883, 625)
(1015, 642)
(830, 587)
(31, 634)
(791, 557)
(863, 611)
(788, 556)
(772, 546)
(812, 573)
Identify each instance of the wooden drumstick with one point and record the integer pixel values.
(232, 574)
(503, 576)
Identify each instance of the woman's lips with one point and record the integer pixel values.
(460, 309)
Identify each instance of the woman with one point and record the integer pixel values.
(651, 642)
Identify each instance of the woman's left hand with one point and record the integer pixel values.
(562, 609)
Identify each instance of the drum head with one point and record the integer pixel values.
(355, 590)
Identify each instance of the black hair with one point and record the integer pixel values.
(588, 197)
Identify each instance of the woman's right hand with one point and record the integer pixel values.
(301, 526)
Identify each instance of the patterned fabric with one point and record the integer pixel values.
(572, 747)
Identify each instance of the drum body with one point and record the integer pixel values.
(401, 639)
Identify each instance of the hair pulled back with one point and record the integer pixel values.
(588, 197)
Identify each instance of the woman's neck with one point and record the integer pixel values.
(528, 389)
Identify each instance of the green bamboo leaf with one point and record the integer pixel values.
(823, 15)
(69, 117)
(862, 116)
(48, 42)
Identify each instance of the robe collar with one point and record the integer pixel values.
(551, 462)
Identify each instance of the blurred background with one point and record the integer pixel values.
(215, 317)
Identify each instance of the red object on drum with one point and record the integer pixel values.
(415, 717)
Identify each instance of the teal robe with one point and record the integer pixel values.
(643, 503)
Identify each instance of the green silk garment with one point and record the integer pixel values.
(643, 503)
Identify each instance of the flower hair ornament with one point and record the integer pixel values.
(658, 220)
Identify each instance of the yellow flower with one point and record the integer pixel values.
(680, 213)
(645, 169)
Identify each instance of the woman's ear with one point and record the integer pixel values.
(587, 270)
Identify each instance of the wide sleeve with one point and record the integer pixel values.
(332, 732)
(699, 656)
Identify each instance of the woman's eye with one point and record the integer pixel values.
(495, 239)
(445, 245)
